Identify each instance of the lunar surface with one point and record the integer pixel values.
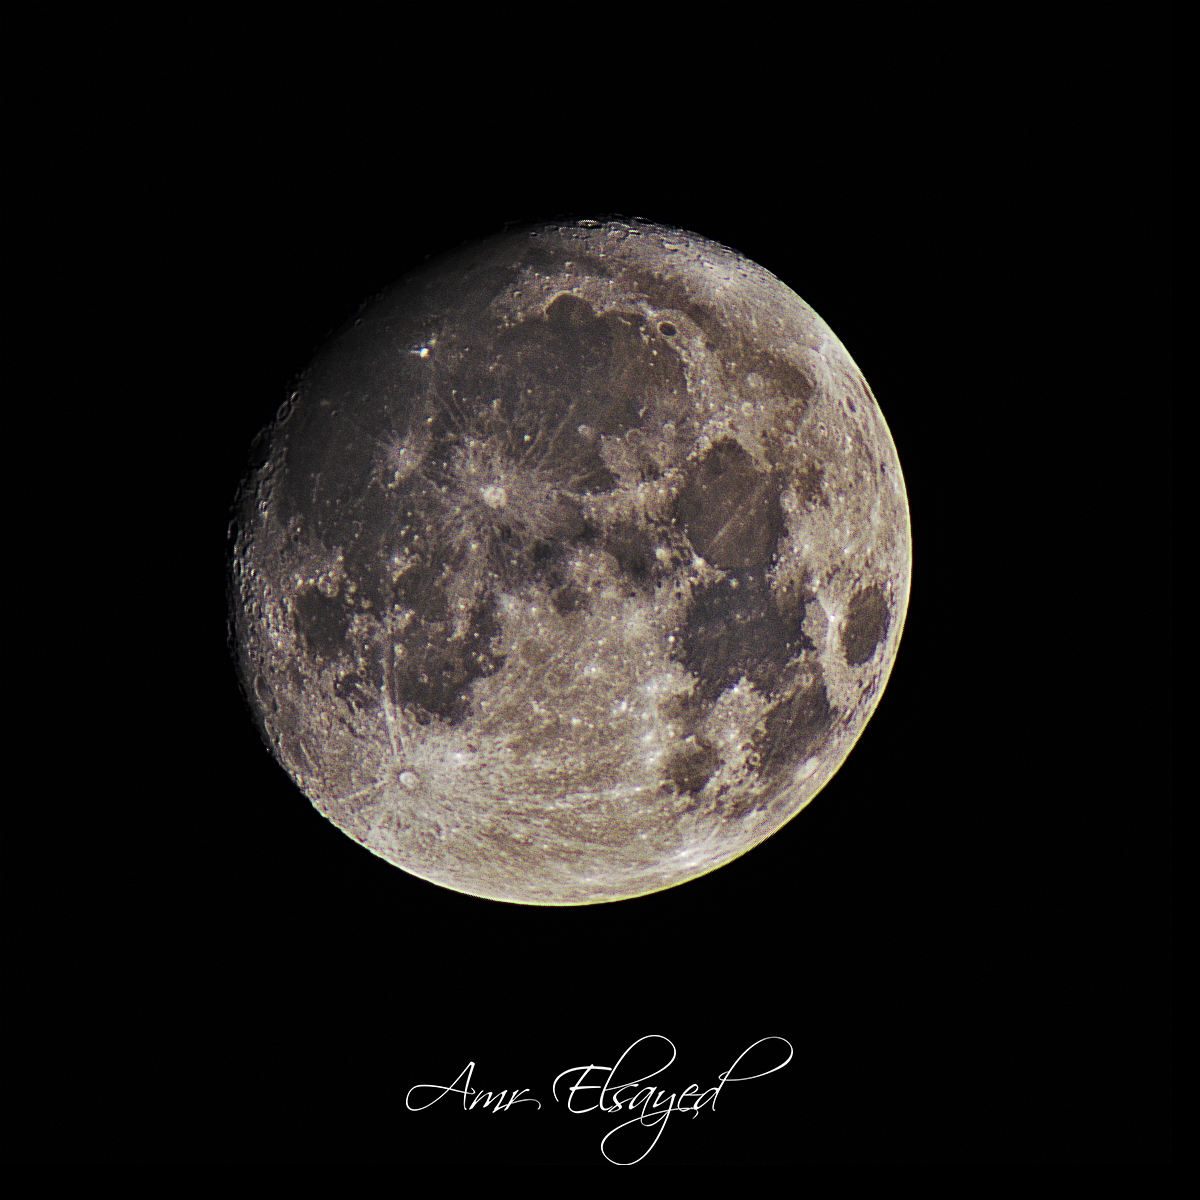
(574, 566)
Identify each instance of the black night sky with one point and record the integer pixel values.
(964, 939)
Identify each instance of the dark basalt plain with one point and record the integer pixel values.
(574, 566)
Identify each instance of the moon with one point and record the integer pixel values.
(574, 566)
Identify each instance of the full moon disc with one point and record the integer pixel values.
(574, 566)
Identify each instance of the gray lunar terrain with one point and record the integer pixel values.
(575, 565)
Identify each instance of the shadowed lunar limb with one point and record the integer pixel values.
(574, 567)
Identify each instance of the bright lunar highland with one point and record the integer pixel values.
(574, 566)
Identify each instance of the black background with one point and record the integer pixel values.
(964, 938)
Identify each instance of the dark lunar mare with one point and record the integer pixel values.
(866, 625)
(737, 627)
(540, 394)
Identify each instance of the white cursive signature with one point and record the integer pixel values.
(651, 1106)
